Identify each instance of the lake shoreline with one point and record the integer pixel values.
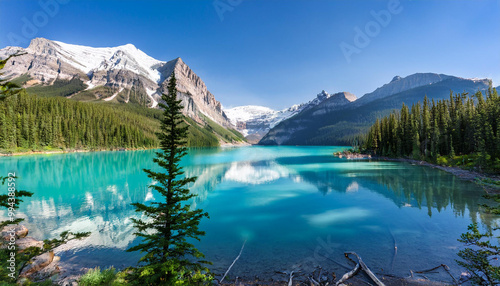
(51, 152)
(70, 151)
(68, 275)
(467, 175)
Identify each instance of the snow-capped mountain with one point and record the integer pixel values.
(255, 121)
(120, 74)
(126, 57)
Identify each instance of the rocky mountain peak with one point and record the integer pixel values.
(335, 101)
(347, 95)
(41, 46)
(179, 61)
(396, 78)
(323, 95)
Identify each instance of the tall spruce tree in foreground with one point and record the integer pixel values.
(170, 259)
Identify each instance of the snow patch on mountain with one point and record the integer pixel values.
(246, 113)
(89, 59)
(89, 84)
(258, 120)
(150, 93)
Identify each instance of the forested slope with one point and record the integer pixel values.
(29, 122)
(462, 130)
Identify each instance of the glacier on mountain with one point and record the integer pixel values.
(258, 120)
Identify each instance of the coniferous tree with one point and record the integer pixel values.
(169, 256)
(463, 125)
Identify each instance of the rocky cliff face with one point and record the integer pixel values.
(193, 91)
(125, 69)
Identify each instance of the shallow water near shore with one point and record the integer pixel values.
(296, 207)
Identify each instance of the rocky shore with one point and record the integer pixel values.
(67, 151)
(39, 268)
(351, 155)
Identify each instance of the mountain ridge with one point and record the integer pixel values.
(341, 124)
(119, 74)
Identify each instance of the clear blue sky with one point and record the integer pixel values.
(279, 52)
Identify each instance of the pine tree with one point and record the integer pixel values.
(435, 140)
(169, 256)
(426, 126)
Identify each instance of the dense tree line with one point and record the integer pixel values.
(31, 122)
(460, 130)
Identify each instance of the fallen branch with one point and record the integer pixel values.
(348, 275)
(429, 270)
(395, 249)
(366, 269)
(314, 282)
(231, 266)
(290, 282)
(445, 267)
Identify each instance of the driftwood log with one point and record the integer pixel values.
(395, 250)
(348, 275)
(231, 266)
(365, 268)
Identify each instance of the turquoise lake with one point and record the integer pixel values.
(296, 207)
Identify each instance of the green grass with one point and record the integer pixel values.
(107, 277)
(464, 161)
(25, 150)
(58, 88)
(135, 108)
(94, 93)
(21, 80)
(237, 134)
(199, 136)
(227, 135)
